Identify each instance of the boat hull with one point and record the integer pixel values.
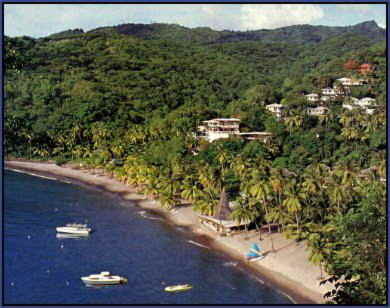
(255, 259)
(72, 231)
(116, 280)
(178, 288)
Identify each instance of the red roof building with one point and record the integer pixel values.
(365, 68)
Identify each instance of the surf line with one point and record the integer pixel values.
(197, 244)
(37, 175)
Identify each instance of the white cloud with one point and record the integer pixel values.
(39, 20)
(271, 16)
(221, 16)
(363, 8)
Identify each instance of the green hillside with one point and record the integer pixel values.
(300, 34)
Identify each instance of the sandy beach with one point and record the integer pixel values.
(287, 269)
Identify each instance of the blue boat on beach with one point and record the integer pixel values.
(254, 253)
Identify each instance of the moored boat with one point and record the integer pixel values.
(79, 229)
(179, 287)
(104, 278)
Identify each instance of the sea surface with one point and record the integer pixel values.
(40, 268)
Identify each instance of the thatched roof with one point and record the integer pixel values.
(223, 210)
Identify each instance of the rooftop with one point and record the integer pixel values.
(223, 119)
(256, 133)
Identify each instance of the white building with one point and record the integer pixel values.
(276, 109)
(365, 103)
(215, 129)
(312, 97)
(348, 106)
(317, 111)
(219, 128)
(325, 98)
(328, 92)
(263, 136)
(350, 82)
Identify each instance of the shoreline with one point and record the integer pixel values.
(287, 270)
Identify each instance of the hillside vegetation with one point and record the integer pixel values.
(129, 98)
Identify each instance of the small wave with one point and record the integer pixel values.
(286, 295)
(259, 280)
(34, 174)
(67, 182)
(230, 263)
(197, 244)
(143, 214)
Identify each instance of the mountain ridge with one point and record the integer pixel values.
(299, 34)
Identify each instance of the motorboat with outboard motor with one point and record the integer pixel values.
(79, 229)
(104, 278)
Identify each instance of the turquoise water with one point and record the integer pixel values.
(40, 268)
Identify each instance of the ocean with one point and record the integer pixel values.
(40, 268)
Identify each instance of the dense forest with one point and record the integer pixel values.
(129, 99)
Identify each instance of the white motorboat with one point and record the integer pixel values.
(178, 288)
(104, 278)
(78, 229)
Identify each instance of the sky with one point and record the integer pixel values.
(38, 20)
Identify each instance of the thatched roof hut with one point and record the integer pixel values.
(222, 220)
(223, 210)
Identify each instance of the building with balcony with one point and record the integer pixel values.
(367, 103)
(262, 136)
(219, 128)
(328, 92)
(317, 111)
(347, 82)
(312, 97)
(276, 109)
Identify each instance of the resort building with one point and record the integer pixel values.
(325, 99)
(348, 106)
(312, 97)
(350, 82)
(332, 93)
(364, 103)
(276, 109)
(215, 129)
(263, 136)
(365, 68)
(222, 221)
(219, 128)
(317, 111)
(328, 92)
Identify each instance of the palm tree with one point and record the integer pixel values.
(243, 214)
(190, 189)
(317, 251)
(293, 201)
